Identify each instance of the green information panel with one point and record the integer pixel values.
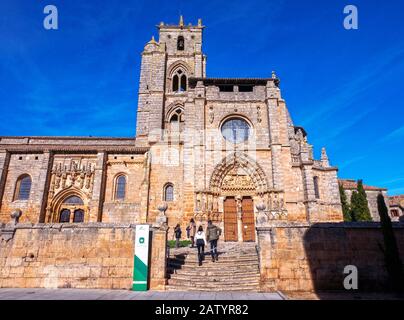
(141, 267)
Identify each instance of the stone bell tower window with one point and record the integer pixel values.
(177, 116)
(179, 81)
(180, 43)
(176, 120)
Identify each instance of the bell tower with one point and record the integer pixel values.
(166, 66)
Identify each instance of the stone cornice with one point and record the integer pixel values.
(325, 168)
(235, 81)
(344, 225)
(65, 138)
(73, 149)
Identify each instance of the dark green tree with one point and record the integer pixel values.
(391, 254)
(346, 210)
(354, 205)
(363, 212)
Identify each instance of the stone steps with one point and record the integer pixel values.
(214, 265)
(222, 257)
(209, 264)
(214, 285)
(222, 278)
(243, 288)
(236, 270)
(213, 273)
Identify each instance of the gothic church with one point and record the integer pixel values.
(205, 148)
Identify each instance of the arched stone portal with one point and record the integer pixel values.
(236, 182)
(71, 203)
(239, 164)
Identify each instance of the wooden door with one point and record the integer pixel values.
(230, 220)
(248, 220)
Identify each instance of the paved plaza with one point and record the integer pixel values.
(86, 294)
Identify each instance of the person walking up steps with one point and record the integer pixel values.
(212, 235)
(200, 244)
(192, 231)
(177, 233)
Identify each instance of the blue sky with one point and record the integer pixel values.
(344, 87)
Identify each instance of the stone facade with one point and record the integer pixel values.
(75, 256)
(312, 257)
(206, 148)
(179, 143)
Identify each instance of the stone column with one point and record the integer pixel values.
(277, 179)
(310, 198)
(268, 267)
(158, 258)
(145, 189)
(4, 163)
(273, 95)
(97, 201)
(44, 184)
(239, 218)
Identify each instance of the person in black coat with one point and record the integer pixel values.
(177, 233)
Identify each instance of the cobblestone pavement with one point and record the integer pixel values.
(84, 294)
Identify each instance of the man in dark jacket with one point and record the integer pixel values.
(212, 235)
(177, 233)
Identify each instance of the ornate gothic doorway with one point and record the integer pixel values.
(236, 180)
(230, 220)
(248, 221)
(239, 219)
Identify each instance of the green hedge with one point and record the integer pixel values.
(183, 243)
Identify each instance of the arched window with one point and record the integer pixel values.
(120, 188)
(316, 188)
(179, 81)
(180, 43)
(169, 192)
(64, 216)
(72, 206)
(78, 215)
(74, 200)
(177, 116)
(183, 83)
(23, 188)
(175, 83)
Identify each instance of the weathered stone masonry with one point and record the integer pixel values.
(93, 255)
(206, 148)
(312, 257)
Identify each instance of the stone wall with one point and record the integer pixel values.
(95, 255)
(36, 166)
(129, 209)
(302, 257)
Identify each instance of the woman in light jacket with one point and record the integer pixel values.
(200, 239)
